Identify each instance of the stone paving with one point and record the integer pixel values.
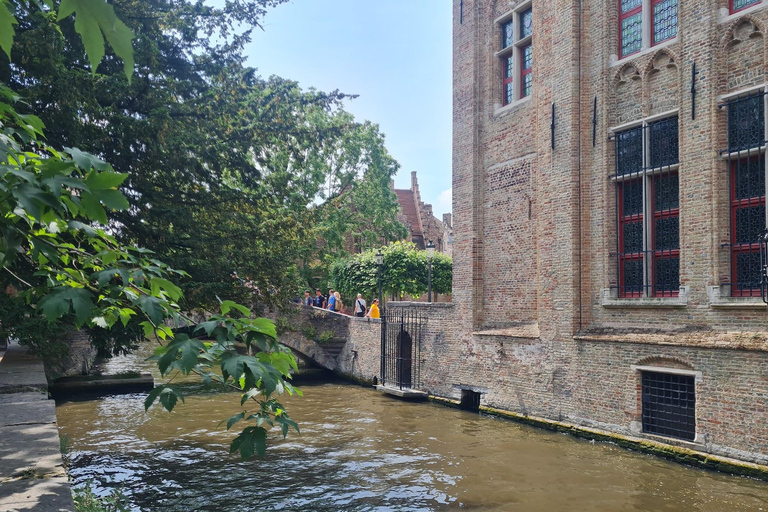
(32, 475)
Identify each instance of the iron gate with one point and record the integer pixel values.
(401, 348)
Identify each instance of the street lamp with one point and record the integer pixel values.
(379, 266)
(430, 255)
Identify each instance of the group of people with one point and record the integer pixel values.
(334, 303)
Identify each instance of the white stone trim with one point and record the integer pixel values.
(614, 61)
(664, 369)
(724, 14)
(500, 111)
(609, 299)
(719, 298)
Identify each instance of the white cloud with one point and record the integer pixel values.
(445, 202)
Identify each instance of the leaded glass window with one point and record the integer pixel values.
(516, 55)
(664, 14)
(746, 123)
(746, 162)
(525, 72)
(507, 34)
(649, 209)
(663, 18)
(526, 23)
(663, 144)
(737, 5)
(629, 151)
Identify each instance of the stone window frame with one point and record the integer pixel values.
(724, 295)
(613, 297)
(647, 45)
(726, 14)
(513, 51)
(697, 379)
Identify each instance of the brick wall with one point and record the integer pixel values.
(532, 326)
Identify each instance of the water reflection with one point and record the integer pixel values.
(363, 451)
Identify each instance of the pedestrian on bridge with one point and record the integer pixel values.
(360, 305)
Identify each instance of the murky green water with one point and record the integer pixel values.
(362, 451)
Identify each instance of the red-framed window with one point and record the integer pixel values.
(665, 234)
(507, 77)
(631, 239)
(648, 210)
(663, 20)
(526, 66)
(630, 27)
(740, 5)
(747, 221)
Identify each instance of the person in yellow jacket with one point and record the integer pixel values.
(374, 311)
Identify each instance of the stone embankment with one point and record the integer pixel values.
(32, 475)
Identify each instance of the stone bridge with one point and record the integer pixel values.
(329, 340)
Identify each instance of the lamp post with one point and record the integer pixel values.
(379, 265)
(430, 255)
(383, 374)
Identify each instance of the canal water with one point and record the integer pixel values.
(360, 450)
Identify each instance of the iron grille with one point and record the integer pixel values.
(648, 210)
(669, 405)
(746, 165)
(401, 348)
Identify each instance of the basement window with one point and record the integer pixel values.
(669, 405)
(470, 400)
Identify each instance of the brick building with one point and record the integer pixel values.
(417, 216)
(609, 184)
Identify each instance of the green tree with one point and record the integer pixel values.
(226, 171)
(58, 256)
(404, 272)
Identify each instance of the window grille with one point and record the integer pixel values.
(648, 210)
(516, 55)
(669, 405)
(745, 157)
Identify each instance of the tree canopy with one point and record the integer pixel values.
(405, 271)
(226, 171)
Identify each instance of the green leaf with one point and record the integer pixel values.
(57, 303)
(104, 180)
(265, 326)
(86, 160)
(169, 397)
(112, 199)
(7, 21)
(94, 18)
(158, 283)
(153, 396)
(151, 307)
(234, 419)
(228, 305)
(250, 440)
(93, 208)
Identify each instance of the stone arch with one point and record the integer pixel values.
(628, 94)
(742, 54)
(663, 82)
(665, 362)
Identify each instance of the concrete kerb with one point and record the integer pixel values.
(32, 475)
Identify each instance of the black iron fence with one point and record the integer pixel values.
(401, 348)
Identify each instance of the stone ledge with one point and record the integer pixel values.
(609, 299)
(720, 298)
(525, 331)
(410, 304)
(757, 341)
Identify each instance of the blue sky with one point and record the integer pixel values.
(396, 54)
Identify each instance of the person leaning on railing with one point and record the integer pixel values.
(374, 311)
